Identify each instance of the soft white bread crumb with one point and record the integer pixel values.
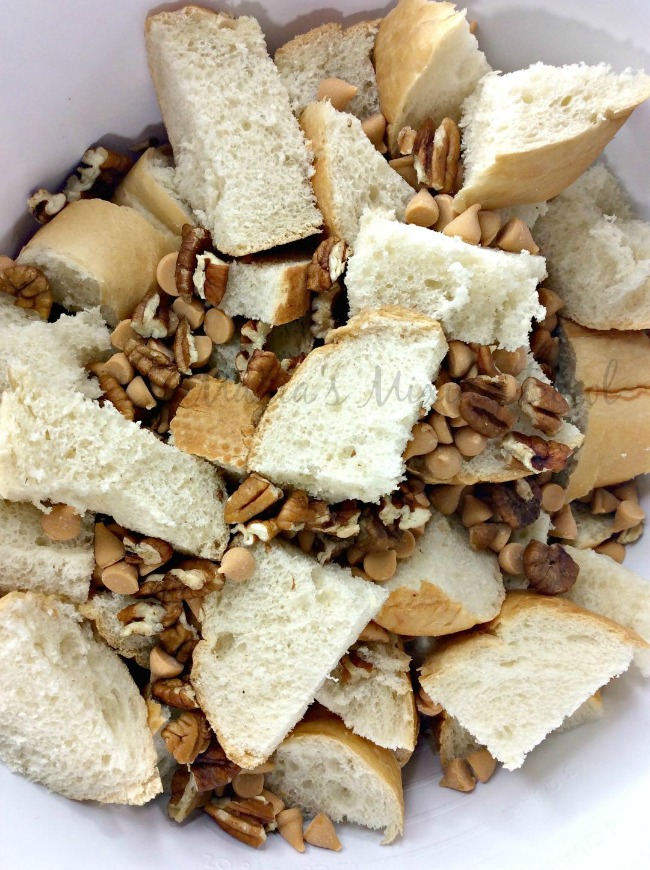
(597, 254)
(29, 560)
(272, 290)
(55, 352)
(608, 588)
(529, 213)
(528, 135)
(241, 161)
(377, 704)
(98, 253)
(270, 643)
(478, 294)
(328, 52)
(71, 716)
(57, 445)
(102, 610)
(589, 711)
(350, 174)
(339, 428)
(427, 62)
(150, 188)
(444, 586)
(510, 683)
(324, 768)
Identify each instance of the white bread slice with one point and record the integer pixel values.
(324, 767)
(605, 375)
(57, 445)
(378, 703)
(270, 643)
(605, 587)
(478, 294)
(150, 188)
(593, 529)
(339, 428)
(598, 254)
(350, 174)
(241, 161)
(553, 123)
(97, 253)
(71, 716)
(329, 51)
(513, 681)
(271, 289)
(29, 560)
(102, 610)
(55, 352)
(444, 586)
(427, 62)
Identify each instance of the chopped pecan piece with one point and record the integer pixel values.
(199, 575)
(406, 140)
(485, 361)
(437, 154)
(295, 512)
(147, 553)
(147, 618)
(536, 453)
(485, 415)
(327, 264)
(264, 373)
(210, 278)
(543, 404)
(323, 316)
(45, 205)
(30, 288)
(212, 768)
(99, 171)
(194, 241)
(255, 495)
(247, 831)
(153, 364)
(179, 640)
(184, 347)
(185, 797)
(151, 318)
(549, 568)
(482, 535)
(187, 736)
(113, 391)
(518, 503)
(504, 389)
(176, 692)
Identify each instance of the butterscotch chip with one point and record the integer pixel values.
(166, 274)
(511, 559)
(276, 802)
(203, 349)
(458, 775)
(380, 566)
(466, 226)
(613, 549)
(424, 440)
(501, 538)
(63, 523)
(5, 262)
(140, 394)
(162, 665)
(474, 511)
(216, 420)
(460, 358)
(627, 491)
(337, 91)
(375, 129)
(550, 300)
(441, 428)
(193, 311)
(446, 211)
(448, 400)
(218, 326)
(422, 210)
(248, 785)
(444, 463)
(238, 564)
(482, 764)
(552, 498)
(564, 524)
(515, 237)
(406, 545)
(446, 498)
(122, 333)
(628, 514)
(290, 827)
(469, 442)
(321, 832)
(109, 549)
(121, 577)
(510, 362)
(405, 167)
(490, 224)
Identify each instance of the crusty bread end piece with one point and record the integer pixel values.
(71, 716)
(102, 610)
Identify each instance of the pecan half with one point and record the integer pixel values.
(295, 513)
(485, 361)
(536, 453)
(185, 797)
(210, 278)
(247, 831)
(437, 154)
(264, 373)
(194, 241)
(504, 389)
(151, 318)
(45, 205)
(30, 288)
(212, 768)
(113, 391)
(543, 404)
(327, 264)
(153, 364)
(184, 347)
(549, 568)
(187, 736)
(518, 503)
(99, 171)
(176, 692)
(255, 495)
(485, 415)
(147, 553)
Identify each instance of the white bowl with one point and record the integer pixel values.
(74, 74)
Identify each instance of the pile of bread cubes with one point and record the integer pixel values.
(301, 454)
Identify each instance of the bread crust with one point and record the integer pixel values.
(295, 296)
(607, 360)
(425, 611)
(312, 122)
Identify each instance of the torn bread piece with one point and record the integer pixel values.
(56, 445)
(350, 175)
(71, 716)
(216, 421)
(97, 253)
(479, 294)
(444, 586)
(270, 643)
(242, 163)
(605, 587)
(427, 62)
(324, 767)
(339, 428)
(553, 123)
(331, 51)
(150, 188)
(30, 561)
(102, 610)
(598, 254)
(492, 679)
(370, 689)
(271, 289)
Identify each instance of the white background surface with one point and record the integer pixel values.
(74, 73)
